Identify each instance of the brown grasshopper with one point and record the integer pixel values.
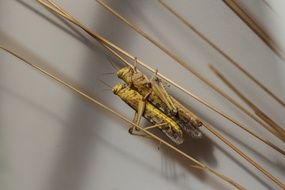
(148, 111)
(154, 92)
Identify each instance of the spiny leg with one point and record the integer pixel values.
(138, 116)
(137, 119)
(131, 129)
(155, 126)
(138, 133)
(160, 91)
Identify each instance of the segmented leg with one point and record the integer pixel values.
(160, 91)
(137, 119)
(131, 131)
(138, 116)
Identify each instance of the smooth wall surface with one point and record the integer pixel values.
(51, 139)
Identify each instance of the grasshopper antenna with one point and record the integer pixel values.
(112, 62)
(105, 84)
(108, 73)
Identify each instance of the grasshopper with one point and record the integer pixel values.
(150, 112)
(154, 92)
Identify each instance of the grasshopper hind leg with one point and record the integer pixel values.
(159, 89)
(137, 118)
(131, 129)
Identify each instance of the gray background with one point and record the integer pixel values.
(50, 139)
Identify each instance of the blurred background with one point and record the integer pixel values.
(51, 139)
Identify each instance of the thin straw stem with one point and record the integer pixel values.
(241, 13)
(276, 129)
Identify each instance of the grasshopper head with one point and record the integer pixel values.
(125, 73)
(117, 88)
